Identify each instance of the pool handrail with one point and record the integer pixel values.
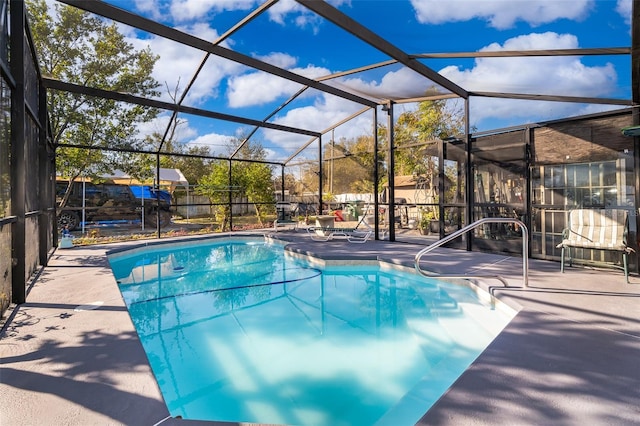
(464, 230)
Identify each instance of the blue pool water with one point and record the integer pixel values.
(238, 331)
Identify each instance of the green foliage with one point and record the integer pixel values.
(426, 216)
(256, 178)
(76, 47)
(309, 179)
(432, 120)
(349, 165)
(328, 197)
(249, 179)
(291, 184)
(419, 130)
(215, 185)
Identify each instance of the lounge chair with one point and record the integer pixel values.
(353, 235)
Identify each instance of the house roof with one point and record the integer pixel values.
(167, 177)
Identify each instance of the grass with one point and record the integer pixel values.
(180, 227)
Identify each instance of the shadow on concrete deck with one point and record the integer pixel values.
(70, 355)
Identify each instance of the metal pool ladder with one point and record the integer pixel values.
(525, 250)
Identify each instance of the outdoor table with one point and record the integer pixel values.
(325, 221)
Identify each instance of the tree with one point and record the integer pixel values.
(437, 119)
(290, 184)
(349, 165)
(252, 179)
(309, 177)
(216, 186)
(76, 47)
(257, 181)
(431, 121)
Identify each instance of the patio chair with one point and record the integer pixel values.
(597, 229)
(359, 234)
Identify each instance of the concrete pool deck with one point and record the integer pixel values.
(70, 354)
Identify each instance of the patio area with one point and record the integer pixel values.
(70, 354)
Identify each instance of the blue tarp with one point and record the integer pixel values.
(148, 193)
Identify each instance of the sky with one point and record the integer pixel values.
(293, 38)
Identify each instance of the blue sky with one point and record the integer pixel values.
(293, 38)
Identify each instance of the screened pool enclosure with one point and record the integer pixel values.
(535, 172)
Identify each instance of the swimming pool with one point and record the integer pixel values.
(236, 330)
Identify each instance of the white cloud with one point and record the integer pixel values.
(624, 8)
(500, 14)
(187, 10)
(327, 111)
(302, 17)
(559, 75)
(216, 143)
(278, 11)
(402, 83)
(258, 88)
(183, 132)
(184, 10)
(178, 63)
(510, 112)
(278, 59)
(149, 8)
